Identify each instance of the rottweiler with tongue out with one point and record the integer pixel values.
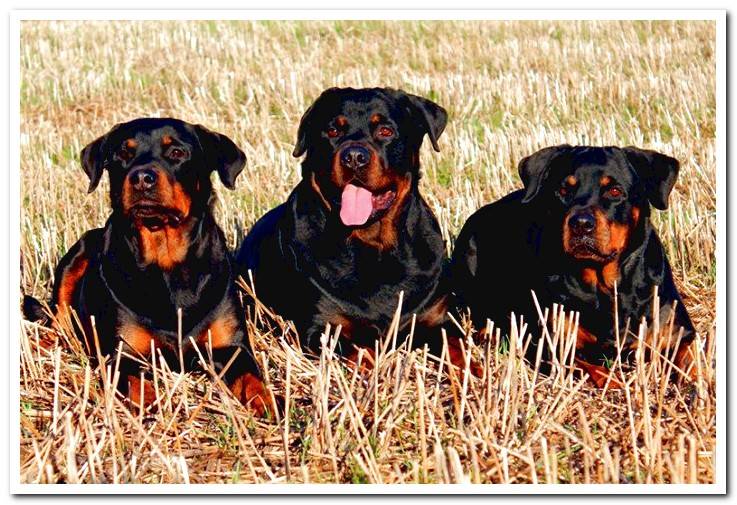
(356, 232)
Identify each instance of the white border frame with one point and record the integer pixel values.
(13, 185)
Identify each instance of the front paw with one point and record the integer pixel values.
(253, 394)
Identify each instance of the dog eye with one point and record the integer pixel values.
(333, 132)
(176, 154)
(385, 132)
(125, 154)
(614, 192)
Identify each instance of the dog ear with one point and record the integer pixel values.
(658, 172)
(304, 126)
(307, 123)
(221, 154)
(95, 156)
(533, 169)
(431, 117)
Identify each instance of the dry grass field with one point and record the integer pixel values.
(510, 89)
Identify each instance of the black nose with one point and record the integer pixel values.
(142, 178)
(355, 157)
(582, 222)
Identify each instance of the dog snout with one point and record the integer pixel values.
(582, 222)
(355, 157)
(142, 178)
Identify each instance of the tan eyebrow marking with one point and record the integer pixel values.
(166, 140)
(605, 181)
(571, 180)
(341, 121)
(376, 118)
(131, 143)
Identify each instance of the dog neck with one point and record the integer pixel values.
(166, 249)
(602, 277)
(196, 284)
(165, 246)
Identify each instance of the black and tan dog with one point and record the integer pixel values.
(160, 250)
(580, 225)
(356, 231)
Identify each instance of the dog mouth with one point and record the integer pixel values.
(358, 205)
(154, 215)
(584, 248)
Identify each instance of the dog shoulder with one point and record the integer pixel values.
(249, 253)
(74, 265)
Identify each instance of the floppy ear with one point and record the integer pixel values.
(533, 170)
(93, 162)
(304, 125)
(658, 171)
(307, 122)
(94, 158)
(432, 117)
(221, 154)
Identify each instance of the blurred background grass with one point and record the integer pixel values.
(510, 88)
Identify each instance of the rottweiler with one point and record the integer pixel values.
(355, 232)
(580, 225)
(159, 252)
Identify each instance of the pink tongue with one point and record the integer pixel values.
(355, 206)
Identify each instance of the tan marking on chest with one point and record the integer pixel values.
(590, 276)
(604, 279)
(165, 247)
(609, 275)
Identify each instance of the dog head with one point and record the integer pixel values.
(159, 169)
(597, 195)
(362, 149)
